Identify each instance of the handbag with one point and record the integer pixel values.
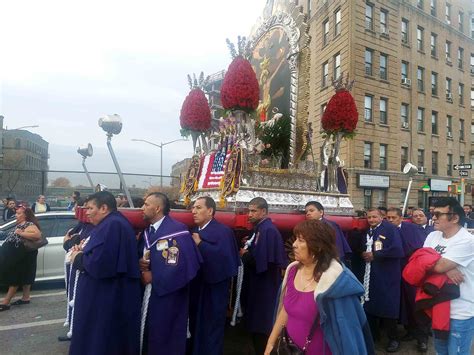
(286, 346)
(32, 245)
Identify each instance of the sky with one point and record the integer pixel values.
(64, 64)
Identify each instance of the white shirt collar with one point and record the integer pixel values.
(204, 226)
(157, 224)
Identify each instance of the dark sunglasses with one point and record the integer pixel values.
(439, 214)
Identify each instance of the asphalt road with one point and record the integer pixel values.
(34, 328)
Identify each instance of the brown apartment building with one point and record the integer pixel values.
(412, 61)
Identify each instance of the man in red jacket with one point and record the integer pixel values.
(456, 247)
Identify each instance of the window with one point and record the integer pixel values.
(448, 52)
(325, 32)
(434, 122)
(404, 70)
(403, 195)
(382, 198)
(448, 14)
(404, 157)
(368, 61)
(461, 159)
(420, 80)
(368, 108)
(433, 7)
(421, 157)
(383, 21)
(434, 163)
(383, 157)
(404, 115)
(369, 17)
(337, 22)
(434, 83)
(419, 4)
(461, 129)
(460, 57)
(461, 93)
(449, 126)
(383, 110)
(325, 74)
(419, 38)
(433, 44)
(448, 86)
(461, 21)
(449, 168)
(367, 155)
(420, 119)
(383, 66)
(405, 31)
(337, 66)
(367, 199)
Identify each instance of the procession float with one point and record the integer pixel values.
(252, 135)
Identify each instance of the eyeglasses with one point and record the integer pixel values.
(438, 214)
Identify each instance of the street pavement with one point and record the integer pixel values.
(34, 328)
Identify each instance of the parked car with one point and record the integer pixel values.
(54, 225)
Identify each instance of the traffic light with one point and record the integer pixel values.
(453, 189)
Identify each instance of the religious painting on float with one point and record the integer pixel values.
(269, 60)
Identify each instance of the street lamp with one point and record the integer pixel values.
(161, 145)
(86, 151)
(22, 127)
(112, 124)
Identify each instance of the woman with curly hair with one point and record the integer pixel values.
(17, 264)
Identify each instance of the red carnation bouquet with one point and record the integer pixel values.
(240, 89)
(195, 112)
(341, 114)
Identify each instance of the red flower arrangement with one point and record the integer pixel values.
(240, 89)
(195, 112)
(341, 114)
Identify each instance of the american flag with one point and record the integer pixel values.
(213, 170)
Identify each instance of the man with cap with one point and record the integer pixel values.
(263, 257)
(210, 289)
(170, 260)
(106, 316)
(381, 300)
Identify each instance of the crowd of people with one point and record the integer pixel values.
(169, 289)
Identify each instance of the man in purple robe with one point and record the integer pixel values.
(170, 260)
(263, 257)
(315, 210)
(413, 238)
(210, 289)
(381, 300)
(419, 218)
(107, 303)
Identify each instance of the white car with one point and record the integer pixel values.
(54, 225)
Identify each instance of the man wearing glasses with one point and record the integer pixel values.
(456, 247)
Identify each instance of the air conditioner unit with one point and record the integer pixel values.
(449, 97)
(450, 135)
(384, 31)
(472, 70)
(404, 40)
(405, 125)
(406, 81)
(421, 170)
(448, 60)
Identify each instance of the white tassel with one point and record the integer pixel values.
(237, 308)
(69, 334)
(188, 332)
(146, 300)
(66, 322)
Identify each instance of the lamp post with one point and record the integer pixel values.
(86, 151)
(161, 145)
(410, 170)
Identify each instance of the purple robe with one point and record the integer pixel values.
(167, 316)
(262, 280)
(107, 305)
(210, 290)
(341, 243)
(385, 273)
(413, 238)
(427, 229)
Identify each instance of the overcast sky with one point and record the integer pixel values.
(64, 64)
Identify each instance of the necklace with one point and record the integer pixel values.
(310, 280)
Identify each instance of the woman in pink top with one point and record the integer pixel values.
(314, 249)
